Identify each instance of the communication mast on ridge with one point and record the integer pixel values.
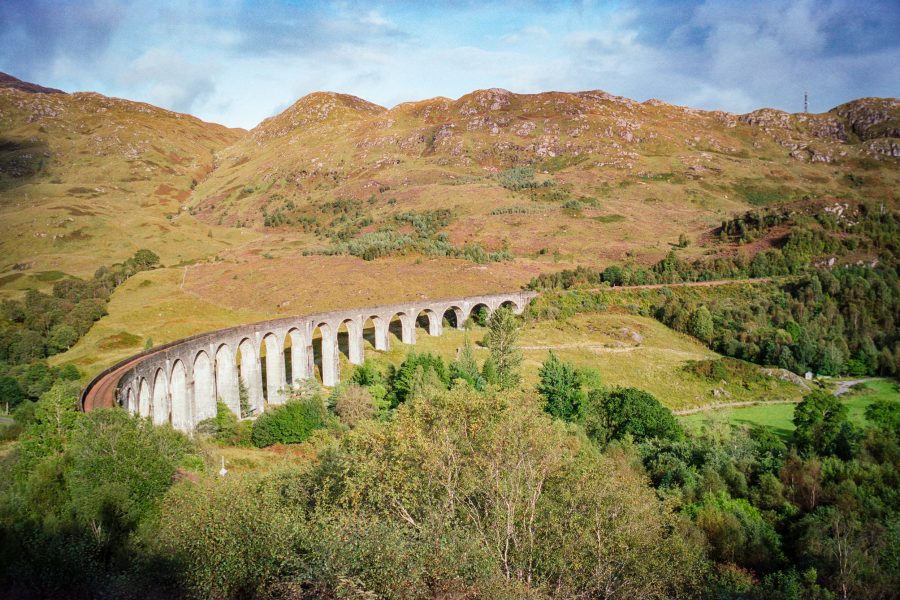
(805, 102)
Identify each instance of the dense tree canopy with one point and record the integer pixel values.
(835, 314)
(820, 420)
(42, 325)
(452, 492)
(612, 414)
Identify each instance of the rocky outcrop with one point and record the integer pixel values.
(768, 118)
(871, 118)
(786, 375)
(315, 109)
(885, 146)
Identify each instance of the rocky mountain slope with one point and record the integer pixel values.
(573, 174)
(491, 188)
(86, 179)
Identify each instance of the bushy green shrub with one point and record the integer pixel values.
(119, 465)
(425, 223)
(820, 422)
(501, 340)
(480, 316)
(75, 491)
(885, 413)
(354, 404)
(225, 427)
(561, 388)
(226, 538)
(737, 532)
(517, 178)
(11, 393)
(417, 373)
(370, 377)
(512, 210)
(290, 423)
(465, 366)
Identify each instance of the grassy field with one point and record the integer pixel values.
(626, 350)
(779, 416)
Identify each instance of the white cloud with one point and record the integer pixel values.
(168, 79)
(235, 62)
(525, 35)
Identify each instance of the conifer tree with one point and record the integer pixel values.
(501, 338)
(466, 366)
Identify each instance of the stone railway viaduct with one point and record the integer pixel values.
(180, 382)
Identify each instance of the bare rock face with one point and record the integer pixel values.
(885, 146)
(786, 375)
(871, 118)
(828, 127)
(8, 81)
(768, 118)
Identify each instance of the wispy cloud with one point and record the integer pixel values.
(238, 61)
(525, 35)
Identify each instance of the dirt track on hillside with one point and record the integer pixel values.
(656, 286)
(842, 388)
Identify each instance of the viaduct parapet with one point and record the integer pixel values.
(180, 382)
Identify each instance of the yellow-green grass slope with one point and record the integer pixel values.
(86, 180)
(626, 350)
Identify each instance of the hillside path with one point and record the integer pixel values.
(656, 286)
(587, 345)
(697, 409)
(842, 388)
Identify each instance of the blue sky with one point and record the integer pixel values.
(239, 61)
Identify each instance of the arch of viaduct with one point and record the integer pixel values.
(181, 382)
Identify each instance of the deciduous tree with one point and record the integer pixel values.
(560, 386)
(818, 420)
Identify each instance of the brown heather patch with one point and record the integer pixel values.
(294, 284)
(75, 211)
(78, 235)
(163, 189)
(119, 341)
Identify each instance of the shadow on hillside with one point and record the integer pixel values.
(21, 161)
